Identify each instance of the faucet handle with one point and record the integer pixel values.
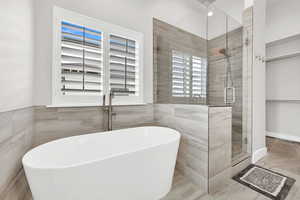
(119, 91)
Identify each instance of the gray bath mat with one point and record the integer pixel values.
(271, 184)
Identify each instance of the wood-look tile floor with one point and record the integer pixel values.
(283, 157)
(237, 145)
(183, 189)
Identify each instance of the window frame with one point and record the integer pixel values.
(107, 29)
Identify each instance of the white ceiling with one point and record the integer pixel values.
(270, 2)
(233, 8)
(206, 2)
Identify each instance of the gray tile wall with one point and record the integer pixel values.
(55, 123)
(20, 130)
(220, 126)
(192, 122)
(133, 116)
(204, 155)
(16, 138)
(167, 38)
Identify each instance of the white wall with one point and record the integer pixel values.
(283, 79)
(283, 120)
(16, 50)
(133, 14)
(282, 19)
(259, 80)
(283, 86)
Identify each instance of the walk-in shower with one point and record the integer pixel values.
(205, 66)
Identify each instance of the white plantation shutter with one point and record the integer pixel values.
(180, 74)
(81, 60)
(90, 57)
(188, 75)
(123, 62)
(199, 74)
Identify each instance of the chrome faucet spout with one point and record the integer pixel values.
(109, 109)
(103, 100)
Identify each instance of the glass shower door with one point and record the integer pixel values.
(228, 78)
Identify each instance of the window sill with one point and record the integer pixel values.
(92, 105)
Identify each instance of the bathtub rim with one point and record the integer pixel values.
(26, 160)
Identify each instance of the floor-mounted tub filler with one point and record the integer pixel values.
(128, 164)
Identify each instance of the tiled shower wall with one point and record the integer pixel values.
(217, 76)
(192, 122)
(20, 130)
(204, 155)
(219, 148)
(166, 39)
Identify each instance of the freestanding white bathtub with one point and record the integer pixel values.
(129, 164)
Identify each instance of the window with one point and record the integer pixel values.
(188, 75)
(199, 74)
(181, 75)
(123, 64)
(81, 60)
(90, 57)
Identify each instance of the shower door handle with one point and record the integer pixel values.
(230, 90)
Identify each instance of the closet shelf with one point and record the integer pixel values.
(283, 57)
(283, 100)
